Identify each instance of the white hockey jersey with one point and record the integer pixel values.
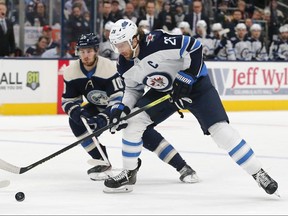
(161, 57)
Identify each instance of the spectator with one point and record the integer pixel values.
(159, 6)
(196, 15)
(7, 38)
(47, 32)
(241, 6)
(56, 51)
(236, 18)
(116, 13)
(76, 24)
(207, 10)
(222, 16)
(150, 16)
(69, 5)
(141, 9)
(106, 12)
(179, 13)
(276, 19)
(38, 49)
(37, 16)
(129, 12)
(166, 18)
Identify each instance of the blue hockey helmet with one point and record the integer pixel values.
(88, 40)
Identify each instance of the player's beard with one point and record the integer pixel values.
(127, 55)
(89, 63)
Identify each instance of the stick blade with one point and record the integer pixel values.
(9, 167)
(4, 183)
(94, 162)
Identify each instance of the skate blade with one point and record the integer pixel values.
(122, 189)
(4, 183)
(191, 179)
(101, 176)
(276, 193)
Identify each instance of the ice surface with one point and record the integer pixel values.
(61, 186)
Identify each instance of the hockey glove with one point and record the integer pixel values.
(183, 103)
(97, 122)
(118, 111)
(76, 114)
(182, 85)
(223, 42)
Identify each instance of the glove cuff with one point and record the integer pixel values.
(185, 78)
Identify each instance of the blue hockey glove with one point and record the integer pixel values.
(76, 114)
(182, 85)
(118, 111)
(97, 122)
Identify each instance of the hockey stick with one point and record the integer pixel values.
(20, 170)
(4, 183)
(105, 160)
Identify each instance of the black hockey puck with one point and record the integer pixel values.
(20, 196)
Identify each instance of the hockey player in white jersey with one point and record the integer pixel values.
(223, 49)
(258, 47)
(205, 39)
(241, 44)
(170, 64)
(96, 78)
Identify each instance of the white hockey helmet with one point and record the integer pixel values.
(123, 30)
(283, 28)
(255, 27)
(217, 27)
(108, 25)
(184, 25)
(201, 24)
(240, 26)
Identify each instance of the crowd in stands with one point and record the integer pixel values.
(228, 29)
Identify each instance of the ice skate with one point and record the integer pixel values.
(100, 172)
(188, 175)
(123, 182)
(266, 182)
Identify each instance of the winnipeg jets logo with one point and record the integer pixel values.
(149, 38)
(158, 80)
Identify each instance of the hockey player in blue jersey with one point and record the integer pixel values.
(170, 64)
(96, 78)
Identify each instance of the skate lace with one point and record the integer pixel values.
(122, 175)
(263, 179)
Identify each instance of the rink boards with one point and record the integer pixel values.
(29, 87)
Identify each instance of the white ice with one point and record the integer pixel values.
(61, 186)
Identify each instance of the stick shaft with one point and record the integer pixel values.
(19, 170)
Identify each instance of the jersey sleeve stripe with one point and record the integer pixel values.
(185, 43)
(196, 45)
